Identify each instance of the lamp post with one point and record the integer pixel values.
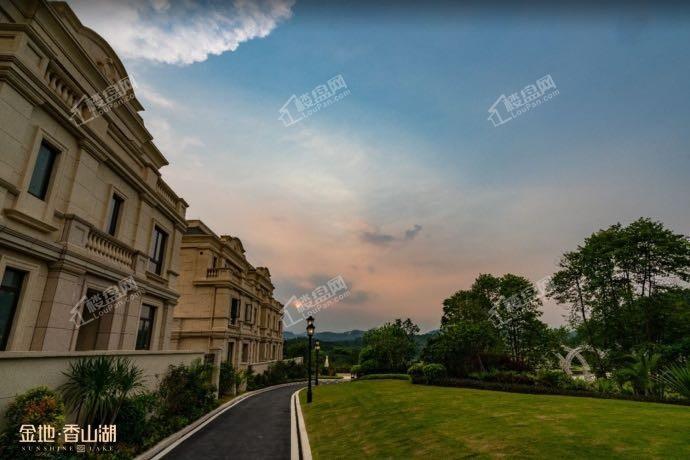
(310, 333)
(317, 347)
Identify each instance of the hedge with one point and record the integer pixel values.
(542, 390)
(385, 377)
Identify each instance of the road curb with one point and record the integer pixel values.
(299, 445)
(164, 446)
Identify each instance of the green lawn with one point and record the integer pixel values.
(395, 419)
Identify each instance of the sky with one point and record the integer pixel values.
(404, 187)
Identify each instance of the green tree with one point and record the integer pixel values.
(389, 348)
(622, 287)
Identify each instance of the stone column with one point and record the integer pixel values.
(54, 329)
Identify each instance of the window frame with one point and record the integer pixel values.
(48, 178)
(151, 319)
(232, 320)
(18, 291)
(245, 358)
(157, 253)
(116, 205)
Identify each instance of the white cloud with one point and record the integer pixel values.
(153, 97)
(180, 32)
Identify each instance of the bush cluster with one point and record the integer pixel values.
(426, 373)
(277, 373)
(538, 389)
(385, 377)
(38, 406)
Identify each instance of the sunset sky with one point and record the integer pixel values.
(404, 188)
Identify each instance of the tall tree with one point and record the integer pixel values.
(622, 285)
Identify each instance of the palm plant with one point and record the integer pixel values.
(639, 372)
(96, 387)
(677, 378)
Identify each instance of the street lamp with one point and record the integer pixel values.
(310, 333)
(317, 347)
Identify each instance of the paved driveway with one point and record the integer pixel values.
(256, 428)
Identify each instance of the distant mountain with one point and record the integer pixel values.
(327, 336)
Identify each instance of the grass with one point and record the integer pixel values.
(395, 419)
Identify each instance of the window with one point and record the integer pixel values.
(157, 250)
(234, 310)
(93, 327)
(231, 351)
(10, 289)
(248, 313)
(43, 169)
(145, 327)
(114, 213)
(245, 352)
(214, 262)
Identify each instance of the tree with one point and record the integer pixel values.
(622, 287)
(497, 315)
(389, 348)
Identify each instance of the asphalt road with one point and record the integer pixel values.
(256, 428)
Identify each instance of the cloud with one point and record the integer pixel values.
(414, 231)
(376, 238)
(383, 239)
(180, 32)
(154, 97)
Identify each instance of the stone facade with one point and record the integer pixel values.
(226, 305)
(60, 183)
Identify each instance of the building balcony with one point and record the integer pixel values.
(98, 245)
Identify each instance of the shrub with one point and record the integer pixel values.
(226, 380)
(606, 386)
(38, 406)
(551, 378)
(416, 373)
(187, 391)
(385, 377)
(133, 420)
(434, 372)
(536, 389)
(368, 366)
(505, 377)
(356, 370)
(578, 385)
(97, 387)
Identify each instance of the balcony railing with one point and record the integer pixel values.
(222, 272)
(109, 248)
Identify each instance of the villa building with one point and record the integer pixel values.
(83, 208)
(226, 305)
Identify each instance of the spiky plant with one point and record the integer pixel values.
(96, 387)
(639, 372)
(677, 378)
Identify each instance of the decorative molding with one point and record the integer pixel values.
(29, 221)
(11, 188)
